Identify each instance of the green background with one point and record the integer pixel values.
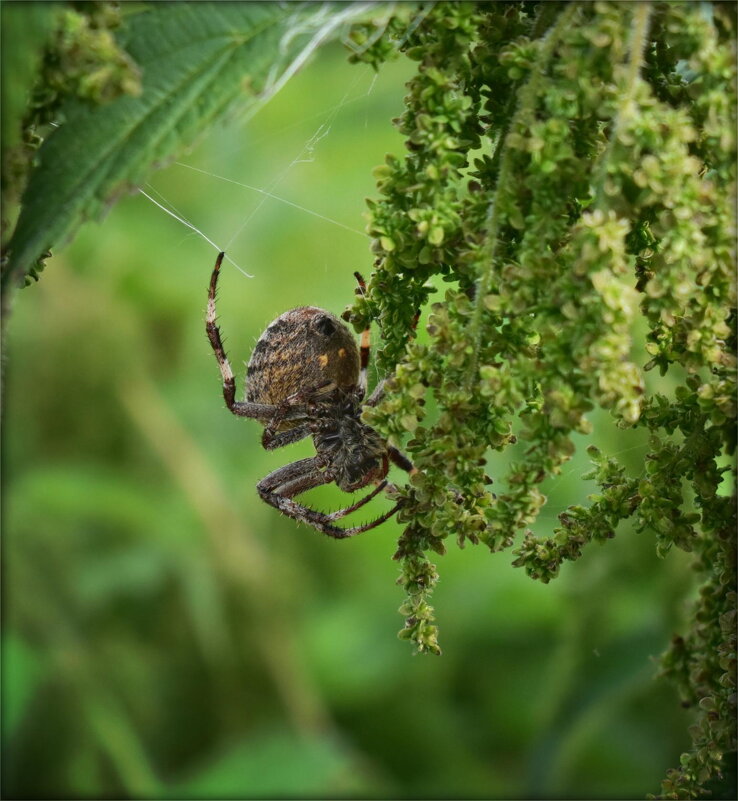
(167, 634)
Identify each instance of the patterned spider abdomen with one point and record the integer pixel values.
(303, 349)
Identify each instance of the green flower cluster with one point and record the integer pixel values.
(570, 173)
(84, 61)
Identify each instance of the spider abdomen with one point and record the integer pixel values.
(303, 349)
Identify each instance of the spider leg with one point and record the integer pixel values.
(342, 533)
(365, 342)
(259, 411)
(343, 512)
(280, 487)
(304, 471)
(291, 488)
(272, 439)
(399, 458)
(377, 394)
(364, 351)
(294, 408)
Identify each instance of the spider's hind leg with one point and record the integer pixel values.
(279, 488)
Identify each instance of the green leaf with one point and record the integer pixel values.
(277, 764)
(199, 62)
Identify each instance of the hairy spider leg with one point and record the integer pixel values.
(266, 413)
(377, 394)
(296, 407)
(365, 342)
(296, 486)
(337, 515)
(399, 458)
(280, 487)
(271, 439)
(259, 411)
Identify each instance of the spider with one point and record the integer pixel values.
(306, 377)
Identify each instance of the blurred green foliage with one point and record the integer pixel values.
(167, 635)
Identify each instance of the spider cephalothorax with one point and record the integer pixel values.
(306, 377)
(356, 453)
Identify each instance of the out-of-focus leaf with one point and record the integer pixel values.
(136, 571)
(278, 765)
(66, 495)
(21, 674)
(199, 61)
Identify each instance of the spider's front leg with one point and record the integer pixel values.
(297, 408)
(259, 411)
(272, 416)
(279, 488)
